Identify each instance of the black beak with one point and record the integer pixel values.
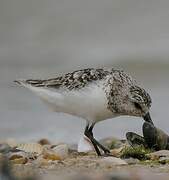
(147, 118)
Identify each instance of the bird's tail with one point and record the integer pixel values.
(21, 82)
(30, 82)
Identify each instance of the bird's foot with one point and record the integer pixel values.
(106, 151)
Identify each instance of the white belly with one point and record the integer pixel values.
(89, 102)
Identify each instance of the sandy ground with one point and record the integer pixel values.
(91, 167)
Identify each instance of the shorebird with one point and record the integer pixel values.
(95, 95)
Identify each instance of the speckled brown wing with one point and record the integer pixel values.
(73, 80)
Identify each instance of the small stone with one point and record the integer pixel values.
(112, 161)
(4, 148)
(116, 152)
(164, 160)
(73, 147)
(44, 142)
(156, 155)
(18, 157)
(61, 150)
(85, 145)
(112, 142)
(50, 154)
(132, 161)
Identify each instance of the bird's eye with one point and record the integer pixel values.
(138, 106)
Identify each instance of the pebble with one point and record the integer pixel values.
(116, 152)
(4, 148)
(18, 157)
(44, 142)
(50, 154)
(156, 155)
(61, 150)
(131, 161)
(84, 145)
(164, 160)
(112, 142)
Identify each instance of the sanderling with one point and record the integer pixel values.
(95, 95)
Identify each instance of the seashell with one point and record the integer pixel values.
(135, 140)
(61, 150)
(153, 138)
(50, 154)
(18, 157)
(32, 148)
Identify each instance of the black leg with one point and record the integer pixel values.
(106, 151)
(90, 136)
(94, 141)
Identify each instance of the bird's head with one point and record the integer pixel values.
(136, 102)
(141, 102)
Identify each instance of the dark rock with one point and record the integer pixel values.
(155, 138)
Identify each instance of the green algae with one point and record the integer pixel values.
(139, 152)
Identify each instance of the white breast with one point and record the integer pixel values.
(89, 102)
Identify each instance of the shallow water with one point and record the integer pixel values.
(23, 115)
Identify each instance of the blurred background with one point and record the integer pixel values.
(45, 38)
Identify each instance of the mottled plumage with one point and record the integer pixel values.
(73, 80)
(93, 94)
